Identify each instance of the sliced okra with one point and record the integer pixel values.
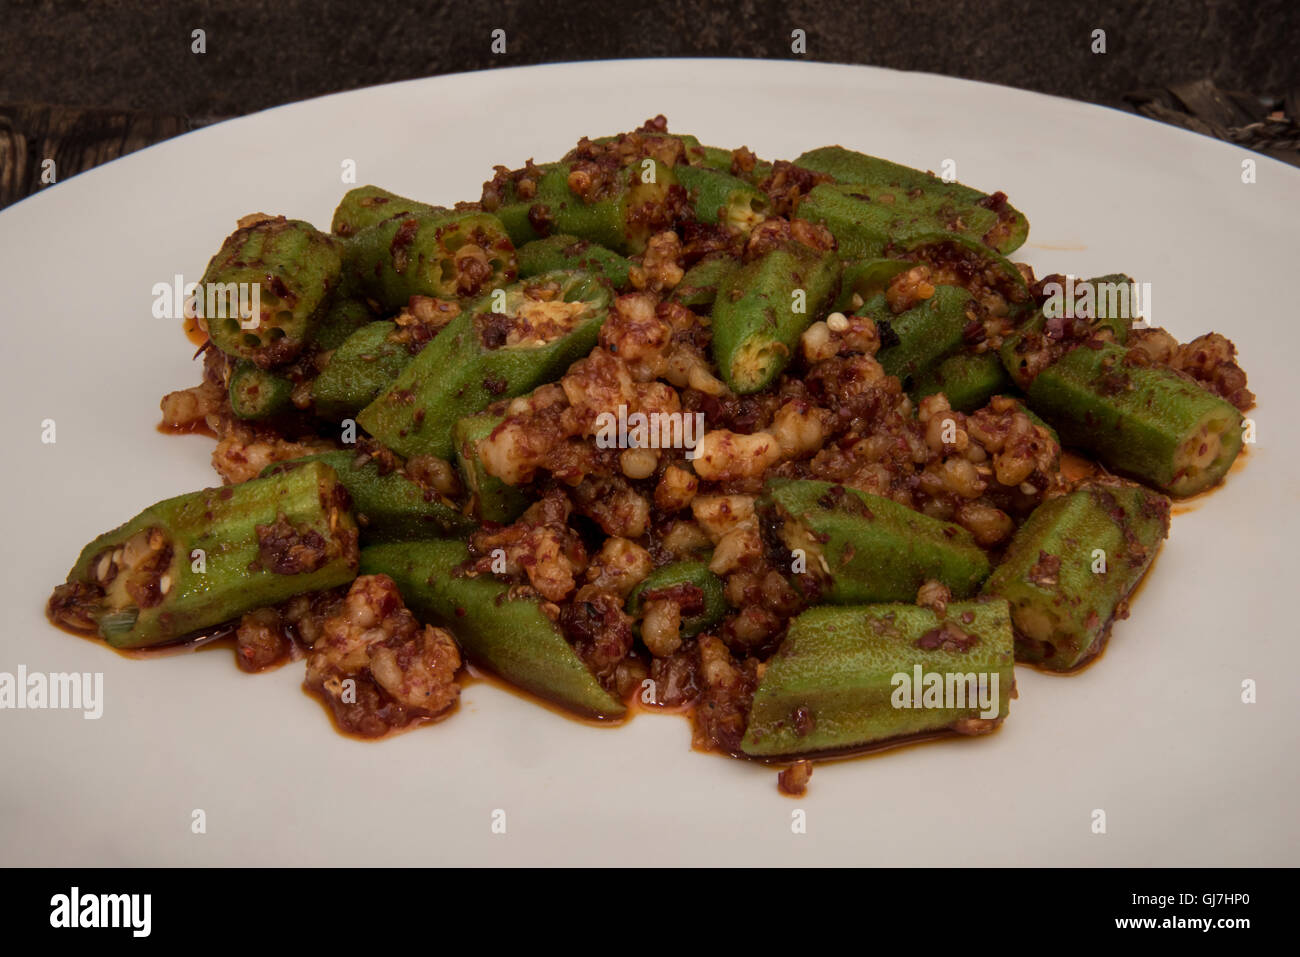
(919, 337)
(988, 218)
(1072, 566)
(367, 206)
(763, 308)
(847, 679)
(857, 548)
(968, 380)
(513, 637)
(441, 254)
(570, 252)
(722, 199)
(864, 279)
(697, 591)
(388, 505)
(358, 370)
(258, 393)
(699, 286)
(490, 499)
(296, 269)
(199, 560)
(1147, 422)
(544, 325)
(345, 316)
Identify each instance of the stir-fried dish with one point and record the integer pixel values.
(664, 425)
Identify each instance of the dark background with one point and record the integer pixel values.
(96, 78)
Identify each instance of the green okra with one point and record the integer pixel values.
(367, 206)
(988, 218)
(258, 393)
(693, 585)
(1143, 421)
(442, 254)
(847, 679)
(345, 316)
(387, 505)
(622, 219)
(490, 499)
(295, 269)
(869, 224)
(512, 637)
(709, 157)
(699, 286)
(863, 548)
(968, 380)
(720, 198)
(864, 279)
(1098, 300)
(762, 308)
(914, 341)
(1072, 566)
(360, 369)
(546, 323)
(202, 559)
(570, 252)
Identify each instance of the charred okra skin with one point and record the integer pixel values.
(491, 500)
(388, 506)
(296, 269)
(1143, 421)
(258, 393)
(362, 367)
(722, 199)
(756, 316)
(683, 581)
(1065, 595)
(202, 559)
(442, 254)
(570, 252)
(514, 637)
(1007, 228)
(922, 335)
(845, 679)
(865, 548)
(699, 286)
(548, 323)
(367, 206)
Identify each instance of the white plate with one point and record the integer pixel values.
(1155, 735)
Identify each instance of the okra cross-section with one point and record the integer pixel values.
(1073, 565)
(848, 679)
(199, 560)
(442, 254)
(722, 199)
(513, 637)
(544, 325)
(762, 308)
(863, 548)
(1144, 421)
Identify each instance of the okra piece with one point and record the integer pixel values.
(490, 499)
(442, 254)
(1100, 301)
(863, 548)
(692, 585)
(1146, 422)
(1071, 568)
(345, 316)
(621, 218)
(546, 323)
(367, 206)
(869, 223)
(762, 308)
(388, 506)
(258, 393)
(720, 198)
(295, 269)
(570, 252)
(709, 157)
(512, 637)
(1007, 227)
(864, 279)
(919, 337)
(360, 369)
(852, 679)
(199, 560)
(968, 380)
(699, 286)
